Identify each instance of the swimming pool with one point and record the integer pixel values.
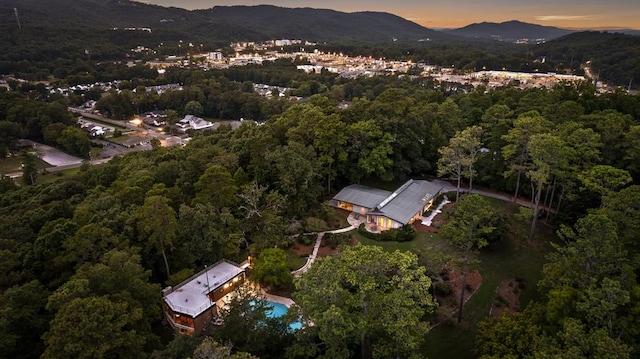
(277, 310)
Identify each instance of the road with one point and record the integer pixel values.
(448, 187)
(108, 120)
(62, 161)
(145, 131)
(63, 167)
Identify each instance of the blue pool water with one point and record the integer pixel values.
(276, 310)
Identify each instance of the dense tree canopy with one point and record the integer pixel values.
(366, 300)
(234, 193)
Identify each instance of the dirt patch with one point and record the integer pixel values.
(448, 293)
(440, 216)
(507, 296)
(302, 249)
(324, 250)
(421, 228)
(473, 281)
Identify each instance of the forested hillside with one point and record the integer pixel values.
(88, 251)
(510, 31)
(614, 56)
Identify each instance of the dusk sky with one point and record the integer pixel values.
(457, 13)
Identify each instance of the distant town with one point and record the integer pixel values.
(247, 53)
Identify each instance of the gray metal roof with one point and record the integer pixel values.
(408, 200)
(362, 196)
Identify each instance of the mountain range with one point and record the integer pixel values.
(255, 23)
(224, 23)
(510, 31)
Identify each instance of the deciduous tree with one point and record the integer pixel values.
(548, 154)
(94, 327)
(271, 268)
(604, 179)
(460, 155)
(517, 149)
(158, 224)
(366, 298)
(472, 224)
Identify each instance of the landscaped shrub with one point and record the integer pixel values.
(443, 288)
(286, 242)
(500, 299)
(406, 234)
(313, 224)
(328, 214)
(334, 240)
(294, 227)
(365, 233)
(438, 200)
(306, 239)
(451, 195)
(402, 234)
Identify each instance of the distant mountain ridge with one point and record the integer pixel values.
(226, 23)
(510, 31)
(321, 24)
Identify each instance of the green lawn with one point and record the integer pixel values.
(515, 257)
(13, 164)
(54, 176)
(294, 260)
(95, 152)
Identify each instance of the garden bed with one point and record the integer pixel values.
(507, 297)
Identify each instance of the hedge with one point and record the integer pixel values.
(402, 234)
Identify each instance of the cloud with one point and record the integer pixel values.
(561, 17)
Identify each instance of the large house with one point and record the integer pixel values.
(191, 305)
(385, 210)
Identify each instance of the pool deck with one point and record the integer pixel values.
(278, 299)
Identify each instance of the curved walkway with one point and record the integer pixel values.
(312, 257)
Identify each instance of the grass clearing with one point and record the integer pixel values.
(95, 152)
(294, 260)
(51, 177)
(515, 257)
(14, 164)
